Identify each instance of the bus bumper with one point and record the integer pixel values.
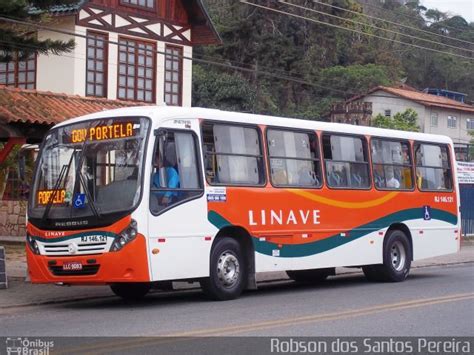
(130, 264)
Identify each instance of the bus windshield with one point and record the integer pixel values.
(88, 171)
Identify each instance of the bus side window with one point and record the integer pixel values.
(175, 171)
(294, 158)
(232, 154)
(391, 161)
(433, 170)
(346, 161)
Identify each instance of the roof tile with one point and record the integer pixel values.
(422, 98)
(31, 106)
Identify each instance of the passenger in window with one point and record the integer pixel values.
(166, 175)
(419, 178)
(392, 181)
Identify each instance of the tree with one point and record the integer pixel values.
(221, 90)
(20, 39)
(403, 121)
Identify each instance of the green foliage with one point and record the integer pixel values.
(21, 39)
(337, 63)
(355, 78)
(224, 91)
(403, 121)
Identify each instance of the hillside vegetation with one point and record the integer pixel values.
(327, 64)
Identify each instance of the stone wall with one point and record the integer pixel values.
(13, 218)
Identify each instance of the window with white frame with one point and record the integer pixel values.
(434, 120)
(452, 121)
(388, 113)
(470, 123)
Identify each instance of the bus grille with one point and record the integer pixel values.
(82, 249)
(86, 270)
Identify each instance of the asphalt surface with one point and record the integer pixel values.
(433, 301)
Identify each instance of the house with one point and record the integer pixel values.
(130, 50)
(437, 114)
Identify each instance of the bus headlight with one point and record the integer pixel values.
(125, 237)
(32, 244)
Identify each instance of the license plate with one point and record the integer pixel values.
(72, 266)
(93, 239)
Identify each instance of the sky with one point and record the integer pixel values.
(465, 8)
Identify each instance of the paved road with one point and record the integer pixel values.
(434, 301)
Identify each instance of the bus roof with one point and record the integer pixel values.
(159, 114)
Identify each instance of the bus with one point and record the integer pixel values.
(139, 197)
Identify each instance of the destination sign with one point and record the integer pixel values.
(45, 195)
(103, 132)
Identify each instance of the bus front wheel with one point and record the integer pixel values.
(397, 258)
(228, 271)
(133, 291)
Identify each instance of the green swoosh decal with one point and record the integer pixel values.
(319, 246)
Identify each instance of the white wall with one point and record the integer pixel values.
(56, 73)
(382, 101)
(67, 73)
(459, 134)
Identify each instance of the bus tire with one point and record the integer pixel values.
(397, 258)
(228, 271)
(310, 276)
(131, 291)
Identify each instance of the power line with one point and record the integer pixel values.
(376, 27)
(343, 93)
(410, 16)
(348, 93)
(202, 61)
(353, 30)
(392, 23)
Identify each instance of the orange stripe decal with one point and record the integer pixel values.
(344, 204)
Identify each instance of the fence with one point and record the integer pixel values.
(467, 208)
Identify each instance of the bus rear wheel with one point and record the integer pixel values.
(228, 271)
(131, 291)
(310, 276)
(397, 258)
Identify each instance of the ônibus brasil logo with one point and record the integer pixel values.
(20, 346)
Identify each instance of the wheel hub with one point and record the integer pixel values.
(228, 269)
(398, 256)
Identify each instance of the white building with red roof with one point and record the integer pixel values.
(437, 114)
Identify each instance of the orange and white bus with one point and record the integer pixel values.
(138, 197)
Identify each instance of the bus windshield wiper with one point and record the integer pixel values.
(64, 172)
(80, 180)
